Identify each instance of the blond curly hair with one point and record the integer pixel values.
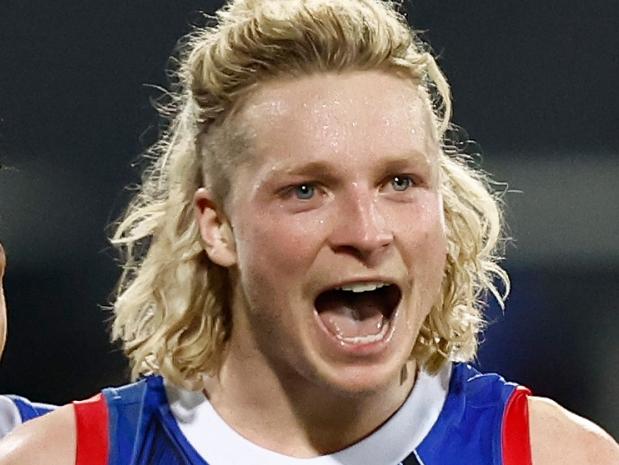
(171, 310)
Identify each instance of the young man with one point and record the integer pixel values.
(306, 260)
(14, 410)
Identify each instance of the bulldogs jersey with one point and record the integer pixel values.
(15, 410)
(456, 417)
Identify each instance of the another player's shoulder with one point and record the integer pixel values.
(15, 410)
(558, 434)
(49, 439)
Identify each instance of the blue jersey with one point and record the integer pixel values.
(482, 420)
(15, 410)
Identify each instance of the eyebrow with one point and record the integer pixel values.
(325, 169)
(309, 168)
(402, 162)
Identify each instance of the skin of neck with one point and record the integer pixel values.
(276, 408)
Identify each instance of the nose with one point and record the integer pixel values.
(360, 228)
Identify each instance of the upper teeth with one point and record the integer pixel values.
(362, 287)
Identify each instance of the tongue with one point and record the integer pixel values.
(349, 315)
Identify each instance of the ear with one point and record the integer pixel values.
(215, 230)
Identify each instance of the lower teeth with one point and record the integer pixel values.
(365, 339)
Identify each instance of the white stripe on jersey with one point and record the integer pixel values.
(9, 416)
(404, 431)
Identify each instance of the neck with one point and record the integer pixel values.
(287, 414)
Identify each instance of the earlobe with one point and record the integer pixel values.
(215, 230)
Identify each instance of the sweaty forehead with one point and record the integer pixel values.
(335, 112)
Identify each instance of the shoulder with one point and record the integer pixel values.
(15, 410)
(49, 439)
(558, 435)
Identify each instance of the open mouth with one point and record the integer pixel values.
(358, 313)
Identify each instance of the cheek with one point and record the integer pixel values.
(276, 243)
(421, 233)
(422, 223)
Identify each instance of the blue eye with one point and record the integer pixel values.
(304, 191)
(401, 183)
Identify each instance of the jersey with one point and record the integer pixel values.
(481, 419)
(15, 410)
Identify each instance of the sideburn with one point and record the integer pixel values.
(223, 148)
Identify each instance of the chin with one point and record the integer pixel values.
(361, 379)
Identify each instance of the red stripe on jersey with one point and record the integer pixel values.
(515, 440)
(91, 418)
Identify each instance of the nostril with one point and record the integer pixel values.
(362, 252)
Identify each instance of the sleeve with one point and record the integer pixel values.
(516, 444)
(91, 418)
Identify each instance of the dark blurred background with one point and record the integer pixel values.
(535, 84)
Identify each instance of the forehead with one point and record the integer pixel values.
(373, 112)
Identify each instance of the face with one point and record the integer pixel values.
(338, 228)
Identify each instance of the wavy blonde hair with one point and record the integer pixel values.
(171, 310)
